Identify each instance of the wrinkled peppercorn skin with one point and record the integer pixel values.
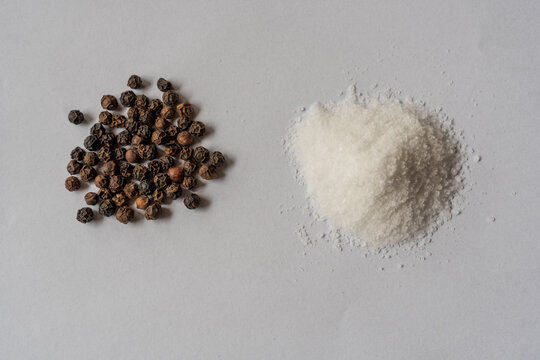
(85, 215)
(134, 82)
(192, 201)
(75, 117)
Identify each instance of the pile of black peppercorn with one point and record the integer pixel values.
(145, 156)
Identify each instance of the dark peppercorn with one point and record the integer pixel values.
(171, 149)
(147, 152)
(105, 154)
(126, 170)
(137, 140)
(118, 121)
(207, 171)
(97, 130)
(134, 82)
(152, 212)
(77, 154)
(159, 195)
(132, 156)
(144, 131)
(184, 138)
(123, 138)
(72, 183)
(88, 173)
(168, 112)
(101, 181)
(141, 101)
(140, 172)
(119, 153)
(105, 194)
(85, 215)
(109, 168)
(172, 131)
(131, 190)
(146, 187)
(91, 159)
(142, 202)
(108, 139)
(105, 117)
(132, 125)
(92, 143)
(116, 183)
(147, 117)
(163, 85)
(200, 154)
(173, 191)
(108, 102)
(184, 124)
(161, 123)
(75, 117)
(197, 128)
(127, 98)
(91, 198)
(158, 137)
(166, 161)
(192, 201)
(73, 167)
(154, 167)
(125, 214)
(170, 98)
(186, 153)
(161, 180)
(217, 159)
(176, 174)
(185, 110)
(133, 114)
(155, 106)
(120, 199)
(190, 167)
(189, 182)
(107, 208)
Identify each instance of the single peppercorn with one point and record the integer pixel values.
(105, 194)
(116, 183)
(107, 208)
(73, 167)
(145, 131)
(120, 199)
(173, 191)
(85, 215)
(105, 117)
(72, 183)
(127, 98)
(189, 182)
(171, 149)
(126, 169)
(166, 162)
(158, 137)
(123, 138)
(97, 130)
(141, 101)
(91, 198)
(75, 117)
(197, 128)
(132, 156)
(91, 159)
(159, 195)
(184, 124)
(142, 202)
(152, 212)
(118, 121)
(108, 139)
(125, 214)
(217, 159)
(137, 140)
(184, 138)
(88, 173)
(192, 201)
(109, 168)
(200, 154)
(140, 172)
(105, 154)
(185, 110)
(147, 117)
(134, 82)
(172, 131)
(131, 190)
(133, 114)
(155, 106)
(132, 126)
(190, 167)
(161, 180)
(170, 98)
(101, 181)
(119, 153)
(146, 187)
(109, 102)
(147, 152)
(92, 143)
(163, 85)
(168, 112)
(154, 167)
(207, 171)
(161, 123)
(77, 154)
(176, 174)
(186, 153)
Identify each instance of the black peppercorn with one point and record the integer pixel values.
(163, 85)
(186, 153)
(184, 124)
(207, 171)
(142, 202)
(91, 198)
(172, 131)
(119, 153)
(147, 117)
(192, 201)
(108, 102)
(200, 154)
(127, 98)
(217, 159)
(75, 117)
(146, 187)
(170, 98)
(171, 149)
(189, 182)
(109, 168)
(105, 154)
(97, 130)
(158, 195)
(132, 156)
(125, 214)
(73, 167)
(116, 183)
(126, 170)
(120, 199)
(173, 191)
(131, 190)
(85, 215)
(154, 167)
(197, 128)
(88, 173)
(147, 152)
(190, 167)
(158, 137)
(101, 181)
(133, 114)
(185, 110)
(105, 117)
(105, 194)
(140, 172)
(118, 121)
(77, 154)
(123, 138)
(161, 180)
(144, 131)
(184, 138)
(132, 126)
(152, 212)
(166, 161)
(155, 106)
(92, 143)
(137, 140)
(141, 101)
(134, 82)
(72, 183)
(108, 139)
(168, 112)
(107, 208)
(91, 159)
(161, 123)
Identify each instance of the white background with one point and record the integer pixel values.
(232, 280)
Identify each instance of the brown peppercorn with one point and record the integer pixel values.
(125, 214)
(145, 131)
(108, 139)
(171, 149)
(87, 173)
(197, 128)
(116, 183)
(170, 98)
(91, 198)
(91, 159)
(75, 117)
(72, 183)
(207, 171)
(184, 124)
(104, 194)
(147, 152)
(184, 138)
(126, 169)
(73, 167)
(101, 181)
(186, 153)
(185, 110)
(105, 117)
(137, 140)
(163, 85)
(189, 182)
(158, 195)
(134, 82)
(133, 114)
(127, 98)
(118, 121)
(217, 159)
(108, 102)
(152, 212)
(166, 161)
(107, 208)
(176, 174)
(120, 199)
(154, 167)
(105, 154)
(131, 190)
(173, 191)
(161, 123)
(132, 156)
(85, 215)
(124, 137)
(192, 201)
(77, 154)
(142, 202)
(200, 154)
(158, 137)
(190, 167)
(92, 143)
(161, 180)
(140, 172)
(168, 112)
(119, 153)
(141, 102)
(147, 117)
(172, 131)
(155, 106)
(109, 168)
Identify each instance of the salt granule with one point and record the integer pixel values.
(378, 169)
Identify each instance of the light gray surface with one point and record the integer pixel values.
(231, 281)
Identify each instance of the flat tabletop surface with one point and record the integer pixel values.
(233, 280)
